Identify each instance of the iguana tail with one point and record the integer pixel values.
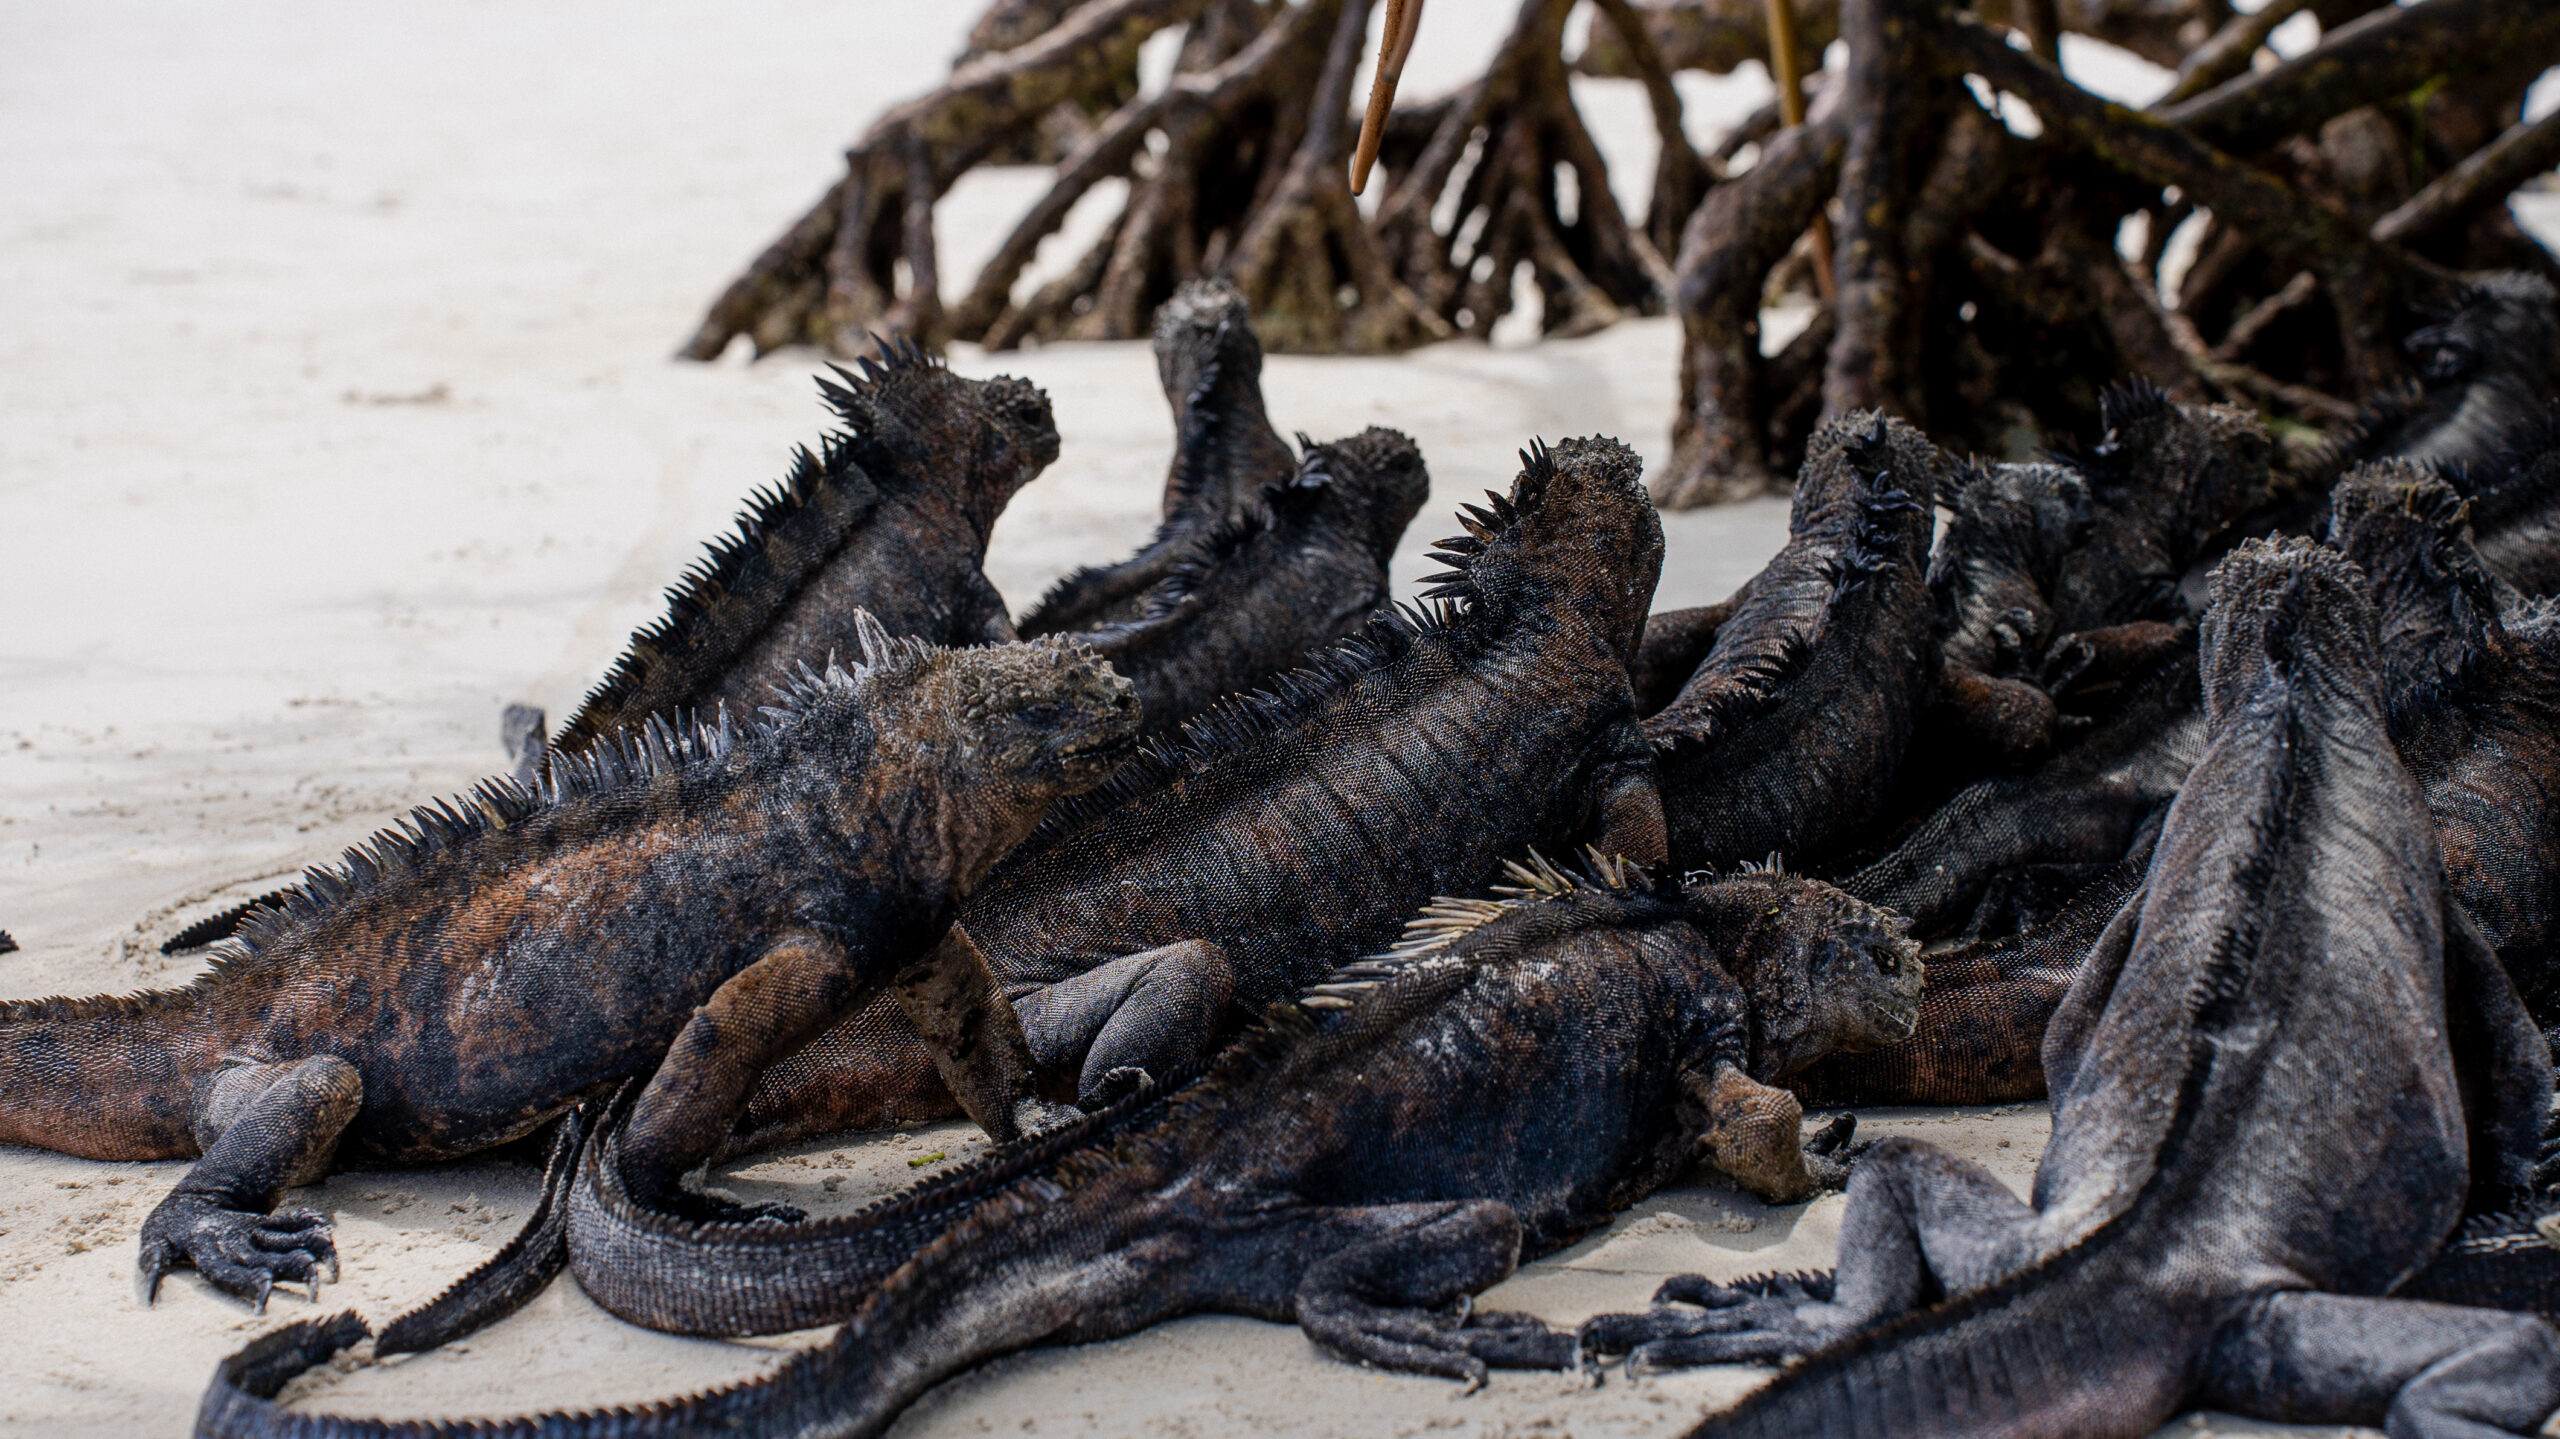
(100, 1078)
(2078, 1347)
(1042, 1262)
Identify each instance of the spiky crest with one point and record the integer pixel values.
(788, 531)
(658, 746)
(1200, 561)
(1210, 740)
(1459, 583)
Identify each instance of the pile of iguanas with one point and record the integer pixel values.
(2223, 776)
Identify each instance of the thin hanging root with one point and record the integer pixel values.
(1306, 258)
(1507, 209)
(1404, 17)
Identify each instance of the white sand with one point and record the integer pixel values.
(338, 413)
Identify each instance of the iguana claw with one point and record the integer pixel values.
(244, 1255)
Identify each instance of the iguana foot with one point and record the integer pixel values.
(1452, 1343)
(1697, 1321)
(1035, 1115)
(1830, 1150)
(244, 1255)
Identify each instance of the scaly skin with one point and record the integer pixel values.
(2515, 507)
(1992, 582)
(1398, 1139)
(2472, 683)
(680, 906)
(2225, 1196)
(2079, 811)
(890, 518)
(1255, 596)
(1291, 832)
(1225, 455)
(1980, 1035)
(1790, 734)
(2489, 365)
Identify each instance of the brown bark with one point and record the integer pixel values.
(1589, 264)
(1719, 434)
(2390, 52)
(2362, 279)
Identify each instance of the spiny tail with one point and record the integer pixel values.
(2071, 1349)
(100, 1078)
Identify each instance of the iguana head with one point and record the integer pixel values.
(1010, 729)
(1826, 973)
(2503, 323)
(1576, 537)
(2436, 604)
(1374, 481)
(2288, 610)
(915, 423)
(2031, 513)
(2187, 472)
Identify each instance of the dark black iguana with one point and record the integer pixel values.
(1297, 570)
(2276, 1079)
(2488, 365)
(1225, 455)
(2069, 817)
(1790, 733)
(7, 944)
(1992, 580)
(2515, 506)
(685, 902)
(1293, 831)
(2163, 482)
(2471, 688)
(1396, 1140)
(890, 517)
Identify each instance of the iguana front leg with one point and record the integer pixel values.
(263, 1129)
(976, 1039)
(1919, 1220)
(1627, 798)
(1752, 1132)
(802, 983)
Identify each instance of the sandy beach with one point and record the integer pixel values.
(336, 412)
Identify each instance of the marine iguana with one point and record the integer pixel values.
(1980, 1035)
(1790, 734)
(685, 902)
(7, 944)
(2079, 811)
(1292, 831)
(1992, 578)
(1306, 565)
(1225, 455)
(890, 516)
(2515, 506)
(2487, 365)
(1399, 1138)
(2165, 481)
(2276, 1078)
(2471, 690)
